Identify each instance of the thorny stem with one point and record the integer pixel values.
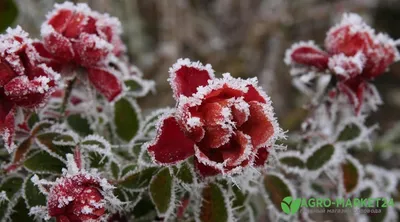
(67, 94)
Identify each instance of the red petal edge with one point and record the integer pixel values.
(185, 77)
(105, 82)
(171, 144)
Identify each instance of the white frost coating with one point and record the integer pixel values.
(288, 54)
(347, 66)
(186, 62)
(193, 122)
(3, 196)
(71, 165)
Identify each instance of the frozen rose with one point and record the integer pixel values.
(77, 36)
(226, 123)
(24, 80)
(76, 198)
(354, 53)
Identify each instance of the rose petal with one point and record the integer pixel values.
(238, 149)
(217, 131)
(261, 157)
(59, 46)
(346, 67)
(205, 170)
(75, 25)
(25, 92)
(105, 82)
(60, 20)
(6, 73)
(253, 95)
(7, 122)
(186, 76)
(310, 56)
(90, 50)
(171, 144)
(258, 126)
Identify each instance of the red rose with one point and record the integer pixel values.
(76, 35)
(354, 53)
(76, 198)
(226, 123)
(24, 80)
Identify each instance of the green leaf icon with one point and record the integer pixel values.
(290, 206)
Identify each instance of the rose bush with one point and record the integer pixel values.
(226, 123)
(355, 54)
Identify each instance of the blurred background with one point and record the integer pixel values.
(245, 38)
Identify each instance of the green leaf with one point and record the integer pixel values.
(8, 12)
(350, 132)
(40, 126)
(126, 119)
(46, 140)
(184, 173)
(320, 157)
(139, 180)
(32, 120)
(79, 124)
(292, 161)
(134, 86)
(127, 169)
(276, 189)
(97, 160)
(114, 170)
(64, 140)
(350, 176)
(143, 208)
(21, 212)
(11, 186)
(32, 194)
(161, 191)
(213, 206)
(239, 199)
(42, 162)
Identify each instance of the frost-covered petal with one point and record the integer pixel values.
(261, 156)
(381, 55)
(205, 170)
(75, 25)
(57, 44)
(6, 73)
(217, 125)
(259, 127)
(350, 36)
(7, 122)
(105, 82)
(60, 20)
(186, 76)
(346, 67)
(171, 144)
(307, 53)
(25, 92)
(91, 50)
(238, 150)
(253, 94)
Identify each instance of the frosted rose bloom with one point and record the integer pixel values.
(76, 198)
(24, 80)
(354, 53)
(226, 123)
(76, 35)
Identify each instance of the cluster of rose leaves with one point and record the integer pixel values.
(227, 124)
